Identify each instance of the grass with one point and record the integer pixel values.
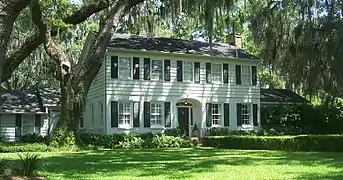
(202, 163)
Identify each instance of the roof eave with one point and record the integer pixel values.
(124, 50)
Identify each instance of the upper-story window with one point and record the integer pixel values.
(188, 72)
(125, 68)
(246, 75)
(217, 73)
(156, 70)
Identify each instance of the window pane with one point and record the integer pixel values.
(246, 76)
(124, 113)
(125, 68)
(156, 114)
(188, 71)
(156, 72)
(217, 73)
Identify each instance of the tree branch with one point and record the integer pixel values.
(86, 11)
(35, 40)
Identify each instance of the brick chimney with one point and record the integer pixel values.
(236, 40)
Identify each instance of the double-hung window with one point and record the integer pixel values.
(217, 73)
(156, 114)
(216, 114)
(124, 113)
(246, 75)
(188, 72)
(156, 70)
(125, 68)
(246, 111)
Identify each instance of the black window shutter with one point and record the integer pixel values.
(38, 121)
(146, 114)
(208, 73)
(18, 126)
(197, 72)
(114, 67)
(254, 75)
(136, 114)
(146, 68)
(239, 114)
(166, 70)
(226, 114)
(254, 114)
(167, 114)
(238, 74)
(226, 73)
(135, 68)
(114, 114)
(208, 114)
(179, 71)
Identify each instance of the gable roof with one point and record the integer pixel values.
(27, 100)
(178, 46)
(280, 96)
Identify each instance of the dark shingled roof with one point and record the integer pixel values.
(27, 101)
(280, 96)
(178, 46)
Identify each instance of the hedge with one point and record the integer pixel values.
(23, 147)
(135, 141)
(330, 143)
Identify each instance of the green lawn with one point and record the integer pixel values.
(191, 164)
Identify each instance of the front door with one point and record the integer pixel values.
(183, 118)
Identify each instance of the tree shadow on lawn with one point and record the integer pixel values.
(177, 163)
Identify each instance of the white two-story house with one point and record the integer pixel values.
(153, 84)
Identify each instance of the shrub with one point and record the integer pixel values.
(172, 132)
(162, 141)
(30, 163)
(33, 138)
(102, 140)
(62, 138)
(21, 147)
(5, 166)
(227, 132)
(284, 143)
(131, 141)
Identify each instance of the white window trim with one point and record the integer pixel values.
(162, 125)
(250, 116)
(250, 76)
(131, 72)
(183, 71)
(221, 115)
(152, 59)
(125, 126)
(221, 73)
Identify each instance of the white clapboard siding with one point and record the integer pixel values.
(106, 89)
(7, 127)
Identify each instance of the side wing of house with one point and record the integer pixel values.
(93, 116)
(12, 125)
